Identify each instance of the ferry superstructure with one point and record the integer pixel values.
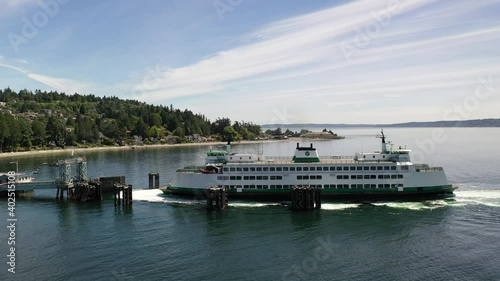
(383, 174)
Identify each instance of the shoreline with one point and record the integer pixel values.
(110, 148)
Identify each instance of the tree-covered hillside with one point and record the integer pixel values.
(51, 119)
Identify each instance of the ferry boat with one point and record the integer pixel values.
(384, 174)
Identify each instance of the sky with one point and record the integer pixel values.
(264, 61)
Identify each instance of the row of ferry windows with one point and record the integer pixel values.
(368, 177)
(299, 169)
(337, 186)
(237, 178)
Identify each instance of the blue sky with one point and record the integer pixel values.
(281, 61)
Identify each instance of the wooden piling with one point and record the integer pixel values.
(154, 180)
(217, 198)
(305, 198)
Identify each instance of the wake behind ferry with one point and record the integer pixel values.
(379, 175)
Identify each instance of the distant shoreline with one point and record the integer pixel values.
(77, 150)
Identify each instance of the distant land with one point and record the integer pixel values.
(457, 123)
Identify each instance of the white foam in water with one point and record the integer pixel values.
(478, 197)
(156, 196)
(462, 198)
(338, 206)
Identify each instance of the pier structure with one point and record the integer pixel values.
(305, 198)
(65, 182)
(216, 198)
(154, 180)
(123, 195)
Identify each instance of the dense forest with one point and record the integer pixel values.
(50, 119)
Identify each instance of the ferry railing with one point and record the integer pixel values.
(426, 168)
(191, 169)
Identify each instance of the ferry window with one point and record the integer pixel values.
(338, 168)
(346, 168)
(373, 168)
(252, 186)
(245, 169)
(265, 187)
(265, 178)
(286, 186)
(352, 168)
(326, 168)
(272, 186)
(393, 185)
(366, 177)
(394, 176)
(278, 169)
(346, 177)
(299, 177)
(327, 186)
(366, 168)
(359, 177)
(231, 158)
(252, 169)
(373, 186)
(279, 186)
(238, 169)
(393, 168)
(404, 168)
(299, 169)
(259, 186)
(272, 169)
(383, 156)
(400, 176)
(314, 169)
(272, 177)
(285, 169)
(373, 177)
(387, 185)
(231, 186)
(238, 178)
(246, 178)
(379, 168)
(364, 156)
(386, 168)
(252, 178)
(226, 169)
(373, 156)
(353, 177)
(305, 177)
(380, 177)
(380, 186)
(259, 169)
(259, 178)
(219, 178)
(366, 186)
(232, 178)
(305, 168)
(387, 176)
(312, 177)
(232, 169)
(241, 158)
(245, 186)
(318, 177)
(265, 169)
(359, 168)
(339, 177)
(292, 169)
(279, 177)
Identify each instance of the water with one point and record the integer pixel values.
(170, 238)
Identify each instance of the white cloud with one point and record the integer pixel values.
(11, 6)
(60, 84)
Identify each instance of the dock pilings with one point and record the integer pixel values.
(305, 198)
(216, 198)
(123, 195)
